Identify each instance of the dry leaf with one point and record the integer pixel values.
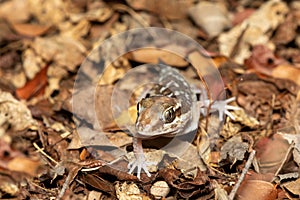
(262, 190)
(263, 60)
(35, 86)
(234, 149)
(286, 71)
(98, 11)
(8, 186)
(98, 183)
(242, 15)
(236, 43)
(271, 153)
(160, 189)
(293, 187)
(212, 17)
(154, 56)
(48, 12)
(129, 191)
(64, 51)
(25, 165)
(165, 8)
(14, 113)
(286, 32)
(294, 138)
(15, 11)
(31, 30)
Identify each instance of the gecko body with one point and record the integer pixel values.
(169, 108)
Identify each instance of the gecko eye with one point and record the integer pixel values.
(169, 115)
(138, 107)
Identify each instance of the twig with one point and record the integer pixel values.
(244, 172)
(65, 186)
(45, 154)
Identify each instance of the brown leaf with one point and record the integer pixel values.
(120, 175)
(271, 153)
(31, 30)
(98, 183)
(167, 8)
(151, 55)
(241, 16)
(263, 60)
(262, 190)
(286, 71)
(34, 87)
(286, 32)
(25, 165)
(9, 60)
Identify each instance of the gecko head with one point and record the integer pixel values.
(159, 116)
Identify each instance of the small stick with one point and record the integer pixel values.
(45, 154)
(245, 170)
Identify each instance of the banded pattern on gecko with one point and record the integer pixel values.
(166, 109)
(169, 108)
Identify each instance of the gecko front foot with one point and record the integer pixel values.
(141, 164)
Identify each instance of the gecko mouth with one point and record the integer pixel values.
(149, 135)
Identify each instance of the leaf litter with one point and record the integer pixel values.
(255, 47)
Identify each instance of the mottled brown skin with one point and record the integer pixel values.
(151, 121)
(165, 111)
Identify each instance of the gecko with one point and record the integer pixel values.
(170, 108)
